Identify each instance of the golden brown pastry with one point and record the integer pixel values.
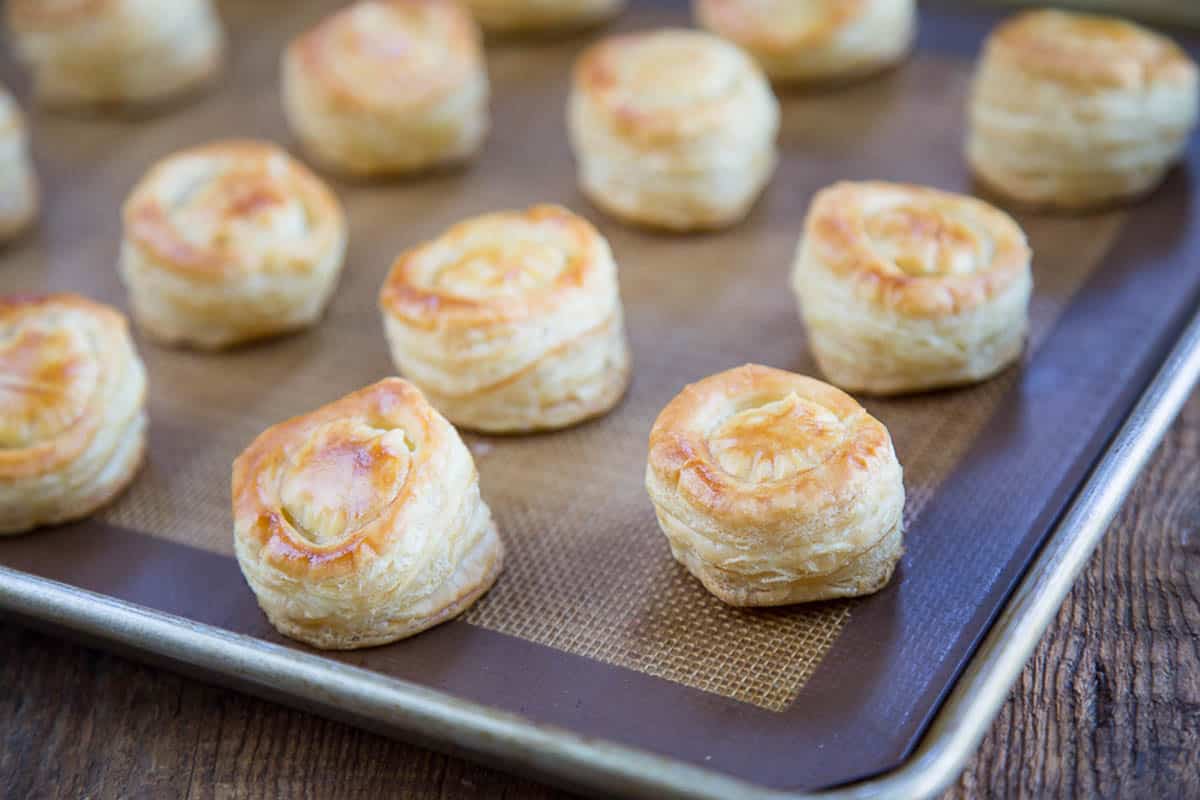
(774, 488)
(814, 40)
(904, 288)
(18, 185)
(672, 129)
(511, 321)
(230, 242)
(541, 16)
(388, 86)
(1074, 111)
(72, 424)
(89, 52)
(361, 523)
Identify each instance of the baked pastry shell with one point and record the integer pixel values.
(548, 356)
(829, 529)
(36, 465)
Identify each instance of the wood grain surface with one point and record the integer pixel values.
(1109, 706)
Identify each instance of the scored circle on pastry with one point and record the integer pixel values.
(229, 242)
(775, 488)
(905, 288)
(511, 321)
(388, 86)
(72, 424)
(672, 128)
(361, 522)
(814, 39)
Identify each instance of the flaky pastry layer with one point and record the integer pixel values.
(72, 419)
(774, 488)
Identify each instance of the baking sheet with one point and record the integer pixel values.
(593, 627)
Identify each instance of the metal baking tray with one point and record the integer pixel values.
(596, 661)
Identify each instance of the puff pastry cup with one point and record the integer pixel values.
(774, 488)
(1075, 111)
(388, 86)
(230, 242)
(672, 129)
(102, 52)
(72, 419)
(541, 16)
(904, 288)
(814, 40)
(18, 185)
(511, 322)
(361, 523)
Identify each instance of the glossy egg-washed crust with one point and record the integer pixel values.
(392, 78)
(392, 404)
(424, 305)
(361, 522)
(31, 382)
(837, 228)
(755, 532)
(258, 174)
(69, 379)
(1088, 51)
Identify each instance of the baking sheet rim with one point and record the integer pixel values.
(400, 707)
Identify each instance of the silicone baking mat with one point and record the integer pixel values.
(593, 626)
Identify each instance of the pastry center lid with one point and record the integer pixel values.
(675, 69)
(243, 211)
(381, 46)
(776, 439)
(343, 477)
(927, 239)
(498, 256)
(47, 376)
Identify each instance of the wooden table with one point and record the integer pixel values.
(1109, 705)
